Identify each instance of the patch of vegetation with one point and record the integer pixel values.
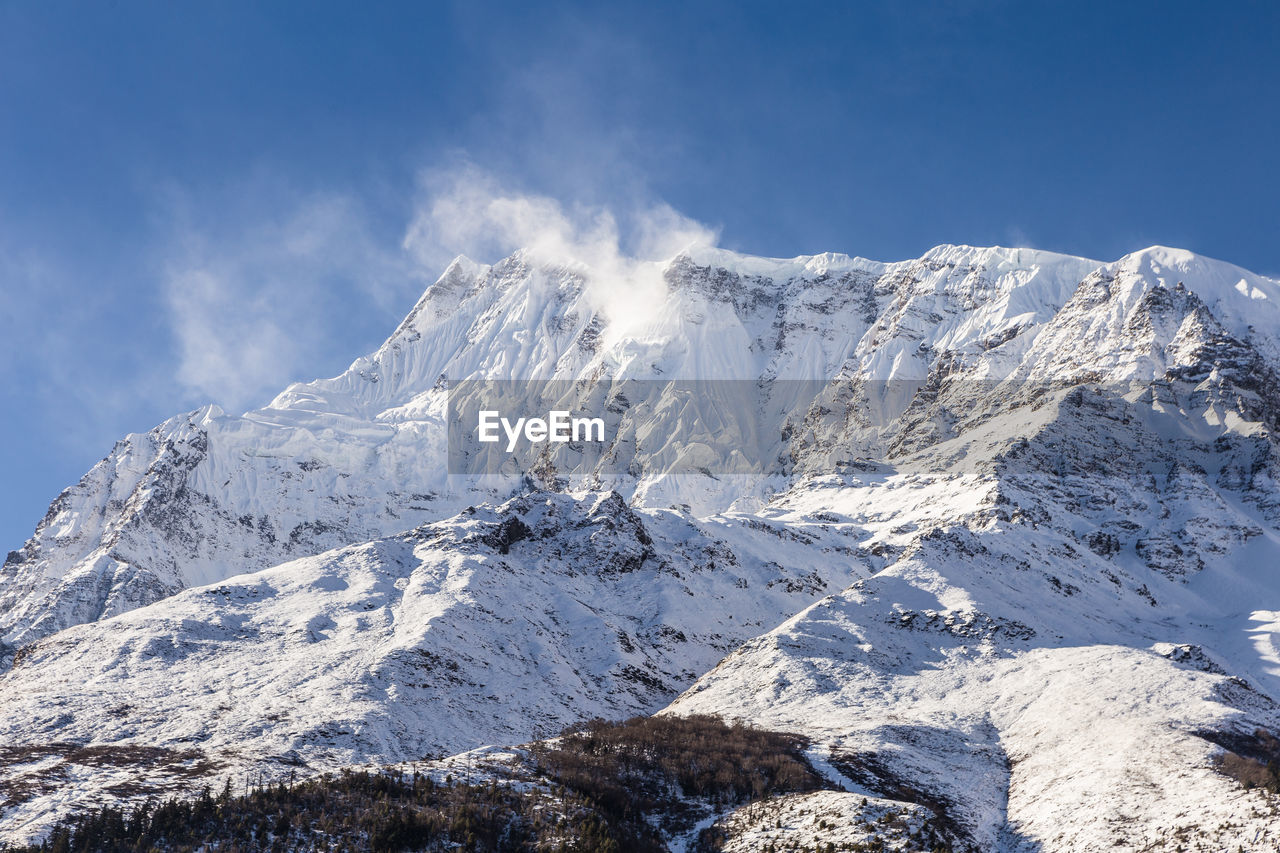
(53, 762)
(876, 775)
(599, 787)
(664, 767)
(1252, 760)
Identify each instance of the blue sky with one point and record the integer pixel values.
(202, 202)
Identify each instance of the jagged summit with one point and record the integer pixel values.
(988, 485)
(337, 460)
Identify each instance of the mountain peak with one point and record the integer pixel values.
(1007, 521)
(777, 269)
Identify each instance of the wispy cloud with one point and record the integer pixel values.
(260, 299)
(71, 380)
(468, 211)
(1017, 237)
(28, 289)
(264, 291)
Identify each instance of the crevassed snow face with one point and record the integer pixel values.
(365, 453)
(1009, 519)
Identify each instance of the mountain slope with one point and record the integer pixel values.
(998, 529)
(484, 628)
(205, 496)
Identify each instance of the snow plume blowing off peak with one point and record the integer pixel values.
(250, 285)
(994, 530)
(471, 213)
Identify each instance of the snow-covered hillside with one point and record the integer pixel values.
(483, 628)
(1007, 546)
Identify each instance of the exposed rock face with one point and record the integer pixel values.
(998, 529)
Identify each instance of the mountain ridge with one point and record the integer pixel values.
(386, 396)
(1013, 500)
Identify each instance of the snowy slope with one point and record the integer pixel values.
(205, 495)
(1012, 561)
(483, 628)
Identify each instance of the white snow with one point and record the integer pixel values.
(1024, 551)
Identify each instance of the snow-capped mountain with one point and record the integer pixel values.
(999, 529)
